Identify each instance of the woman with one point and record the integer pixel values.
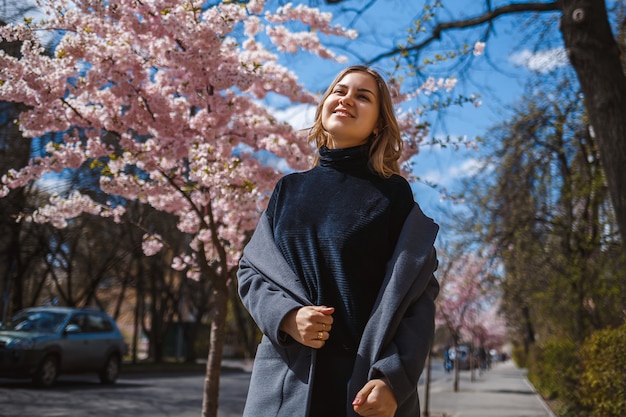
(339, 272)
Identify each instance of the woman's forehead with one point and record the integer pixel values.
(357, 77)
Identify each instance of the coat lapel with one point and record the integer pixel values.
(268, 260)
(403, 282)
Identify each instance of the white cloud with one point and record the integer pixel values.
(452, 173)
(269, 159)
(300, 116)
(466, 168)
(53, 183)
(18, 11)
(540, 61)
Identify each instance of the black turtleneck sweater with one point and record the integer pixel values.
(337, 225)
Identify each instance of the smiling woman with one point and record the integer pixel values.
(340, 267)
(361, 92)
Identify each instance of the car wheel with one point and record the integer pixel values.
(47, 372)
(111, 370)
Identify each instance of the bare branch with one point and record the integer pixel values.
(487, 17)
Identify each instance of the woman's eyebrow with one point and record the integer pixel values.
(362, 89)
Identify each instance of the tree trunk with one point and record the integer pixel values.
(216, 351)
(595, 56)
(457, 371)
(246, 327)
(529, 330)
(426, 411)
(472, 364)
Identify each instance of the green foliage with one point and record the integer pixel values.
(546, 212)
(519, 356)
(584, 380)
(554, 369)
(603, 377)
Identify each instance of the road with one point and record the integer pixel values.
(137, 395)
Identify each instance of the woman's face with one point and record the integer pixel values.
(350, 113)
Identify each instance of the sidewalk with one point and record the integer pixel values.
(502, 391)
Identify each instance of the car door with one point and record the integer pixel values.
(100, 339)
(75, 343)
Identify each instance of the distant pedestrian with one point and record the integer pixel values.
(448, 362)
(483, 358)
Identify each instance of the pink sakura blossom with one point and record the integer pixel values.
(255, 6)
(432, 85)
(59, 209)
(476, 100)
(479, 48)
(310, 17)
(309, 41)
(489, 329)
(178, 264)
(253, 26)
(290, 42)
(151, 244)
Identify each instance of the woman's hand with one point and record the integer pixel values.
(376, 399)
(309, 325)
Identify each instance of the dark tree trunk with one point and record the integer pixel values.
(426, 410)
(216, 350)
(14, 153)
(596, 58)
(529, 333)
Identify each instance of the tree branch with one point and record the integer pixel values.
(489, 16)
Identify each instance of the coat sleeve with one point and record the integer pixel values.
(266, 302)
(401, 361)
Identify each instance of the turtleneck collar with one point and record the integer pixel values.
(345, 158)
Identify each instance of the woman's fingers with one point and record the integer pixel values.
(314, 324)
(375, 399)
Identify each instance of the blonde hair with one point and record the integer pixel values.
(386, 146)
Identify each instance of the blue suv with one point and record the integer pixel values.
(43, 342)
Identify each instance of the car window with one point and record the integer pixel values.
(98, 324)
(39, 321)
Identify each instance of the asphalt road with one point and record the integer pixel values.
(136, 395)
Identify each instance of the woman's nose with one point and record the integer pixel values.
(346, 100)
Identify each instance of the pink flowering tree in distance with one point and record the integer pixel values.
(164, 100)
(467, 302)
(487, 328)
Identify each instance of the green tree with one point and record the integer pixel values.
(548, 212)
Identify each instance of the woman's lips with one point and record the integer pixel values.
(342, 112)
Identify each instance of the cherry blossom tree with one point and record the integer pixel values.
(164, 99)
(488, 329)
(467, 303)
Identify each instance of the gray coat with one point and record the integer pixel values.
(395, 342)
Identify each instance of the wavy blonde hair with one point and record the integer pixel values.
(386, 146)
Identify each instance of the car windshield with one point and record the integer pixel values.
(36, 321)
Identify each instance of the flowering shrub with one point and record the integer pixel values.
(603, 381)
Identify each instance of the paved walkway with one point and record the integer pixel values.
(503, 391)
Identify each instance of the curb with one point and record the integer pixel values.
(540, 398)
